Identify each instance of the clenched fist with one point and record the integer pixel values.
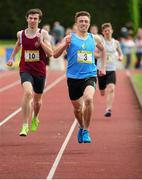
(10, 62)
(68, 40)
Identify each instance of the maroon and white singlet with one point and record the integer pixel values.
(33, 57)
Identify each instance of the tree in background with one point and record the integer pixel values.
(135, 13)
(114, 11)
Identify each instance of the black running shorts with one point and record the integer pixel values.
(109, 78)
(38, 82)
(76, 87)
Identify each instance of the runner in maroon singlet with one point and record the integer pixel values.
(35, 44)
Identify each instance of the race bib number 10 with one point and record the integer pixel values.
(84, 57)
(31, 55)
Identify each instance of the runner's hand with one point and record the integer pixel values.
(10, 62)
(102, 72)
(68, 40)
(120, 58)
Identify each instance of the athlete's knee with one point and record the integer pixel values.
(88, 100)
(77, 109)
(28, 95)
(38, 102)
(110, 89)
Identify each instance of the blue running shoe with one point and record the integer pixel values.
(86, 136)
(79, 136)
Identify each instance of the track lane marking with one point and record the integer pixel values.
(10, 116)
(63, 147)
(60, 153)
(9, 86)
(50, 86)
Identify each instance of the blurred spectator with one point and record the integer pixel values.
(124, 32)
(58, 32)
(47, 28)
(128, 46)
(94, 29)
(74, 28)
(68, 31)
(138, 45)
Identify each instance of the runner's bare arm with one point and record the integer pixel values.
(45, 43)
(100, 46)
(97, 53)
(15, 50)
(61, 47)
(120, 54)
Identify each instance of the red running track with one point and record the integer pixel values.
(115, 151)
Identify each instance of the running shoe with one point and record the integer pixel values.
(24, 131)
(86, 136)
(108, 113)
(79, 136)
(34, 124)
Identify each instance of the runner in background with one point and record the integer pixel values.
(107, 82)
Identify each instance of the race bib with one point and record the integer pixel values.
(84, 57)
(31, 55)
(109, 57)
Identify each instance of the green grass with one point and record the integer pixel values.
(137, 78)
(4, 43)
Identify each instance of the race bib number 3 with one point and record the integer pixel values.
(31, 56)
(84, 57)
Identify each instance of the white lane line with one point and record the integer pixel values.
(60, 153)
(10, 116)
(10, 86)
(54, 83)
(16, 83)
(50, 86)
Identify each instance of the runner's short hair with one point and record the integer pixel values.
(34, 11)
(82, 13)
(106, 25)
